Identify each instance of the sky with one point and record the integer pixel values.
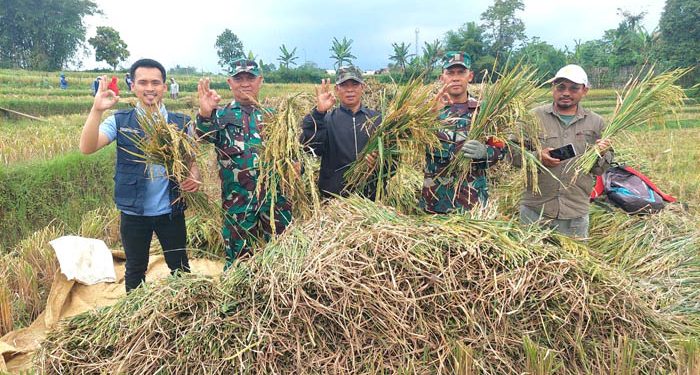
(184, 32)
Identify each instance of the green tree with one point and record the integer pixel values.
(679, 29)
(630, 42)
(470, 39)
(42, 34)
(503, 30)
(228, 48)
(341, 51)
(590, 54)
(400, 55)
(109, 46)
(545, 57)
(431, 53)
(287, 57)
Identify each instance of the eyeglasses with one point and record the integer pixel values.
(561, 87)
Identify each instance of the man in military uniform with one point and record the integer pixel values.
(235, 131)
(443, 192)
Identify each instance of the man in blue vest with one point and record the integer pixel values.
(147, 198)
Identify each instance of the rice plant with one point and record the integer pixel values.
(282, 159)
(408, 127)
(645, 99)
(164, 144)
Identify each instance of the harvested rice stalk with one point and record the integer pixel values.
(282, 158)
(403, 188)
(408, 126)
(378, 95)
(6, 321)
(360, 288)
(644, 101)
(504, 113)
(660, 252)
(166, 145)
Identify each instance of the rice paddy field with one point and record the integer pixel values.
(358, 287)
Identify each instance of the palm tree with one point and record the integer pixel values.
(341, 51)
(401, 54)
(287, 57)
(431, 53)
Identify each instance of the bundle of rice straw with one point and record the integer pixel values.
(360, 288)
(643, 101)
(403, 188)
(408, 127)
(282, 154)
(166, 145)
(504, 113)
(661, 252)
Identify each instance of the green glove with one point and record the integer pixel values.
(474, 149)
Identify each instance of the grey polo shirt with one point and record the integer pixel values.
(567, 199)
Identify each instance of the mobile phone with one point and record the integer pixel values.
(564, 152)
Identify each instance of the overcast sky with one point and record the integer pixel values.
(184, 32)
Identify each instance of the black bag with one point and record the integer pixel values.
(630, 190)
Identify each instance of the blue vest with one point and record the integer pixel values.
(130, 176)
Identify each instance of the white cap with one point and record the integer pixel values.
(573, 73)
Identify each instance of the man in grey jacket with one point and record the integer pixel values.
(338, 135)
(563, 205)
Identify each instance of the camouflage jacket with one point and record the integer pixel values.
(235, 131)
(440, 191)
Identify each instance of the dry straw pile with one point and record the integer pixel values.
(360, 288)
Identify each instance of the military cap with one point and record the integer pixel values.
(453, 58)
(243, 65)
(345, 73)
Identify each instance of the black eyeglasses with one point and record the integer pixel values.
(561, 87)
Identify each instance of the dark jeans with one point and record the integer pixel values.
(136, 233)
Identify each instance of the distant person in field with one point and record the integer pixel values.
(442, 192)
(113, 86)
(235, 131)
(563, 204)
(148, 200)
(63, 83)
(129, 82)
(96, 85)
(174, 88)
(339, 134)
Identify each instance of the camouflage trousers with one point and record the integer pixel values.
(254, 226)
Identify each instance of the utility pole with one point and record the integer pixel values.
(417, 32)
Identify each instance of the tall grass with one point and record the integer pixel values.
(28, 141)
(35, 194)
(28, 273)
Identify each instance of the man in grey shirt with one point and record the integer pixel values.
(563, 205)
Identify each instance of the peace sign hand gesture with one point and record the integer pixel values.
(325, 99)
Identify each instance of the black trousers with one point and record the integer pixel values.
(137, 232)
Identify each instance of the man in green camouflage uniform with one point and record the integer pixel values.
(235, 131)
(443, 192)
